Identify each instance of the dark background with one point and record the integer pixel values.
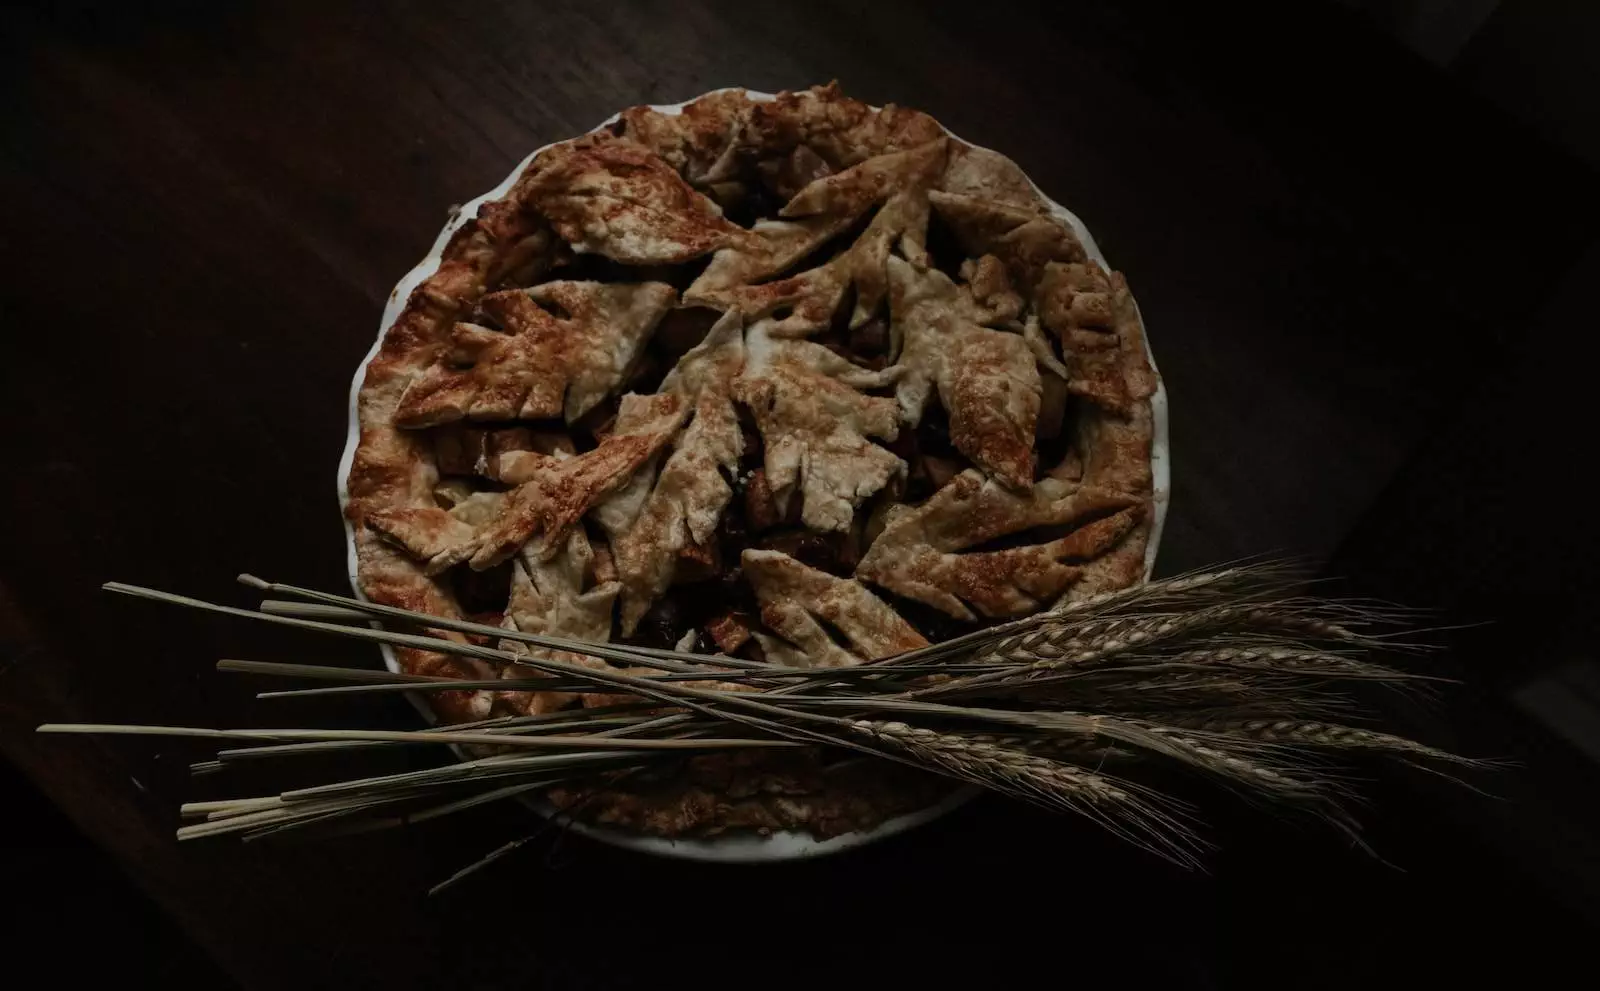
(1362, 236)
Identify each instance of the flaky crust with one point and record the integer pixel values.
(988, 380)
(667, 512)
(796, 600)
(617, 199)
(537, 365)
(923, 554)
(645, 192)
(818, 426)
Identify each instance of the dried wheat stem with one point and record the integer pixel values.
(1315, 734)
(325, 672)
(314, 610)
(1179, 592)
(1232, 641)
(1215, 755)
(1221, 760)
(559, 765)
(1240, 583)
(253, 814)
(1290, 660)
(427, 736)
(1054, 646)
(671, 659)
(1040, 781)
(1184, 686)
(604, 716)
(969, 755)
(1066, 747)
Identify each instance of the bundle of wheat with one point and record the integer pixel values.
(1234, 674)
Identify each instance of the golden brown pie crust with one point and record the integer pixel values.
(1027, 347)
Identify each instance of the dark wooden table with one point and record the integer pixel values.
(205, 206)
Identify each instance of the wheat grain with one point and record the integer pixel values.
(1317, 734)
(1056, 645)
(1119, 806)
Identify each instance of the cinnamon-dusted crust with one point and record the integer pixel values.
(988, 380)
(555, 437)
(797, 600)
(818, 426)
(920, 554)
(623, 201)
(536, 365)
(664, 514)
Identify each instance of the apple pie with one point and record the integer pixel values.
(791, 379)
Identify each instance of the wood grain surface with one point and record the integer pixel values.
(205, 206)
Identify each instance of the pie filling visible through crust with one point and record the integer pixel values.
(798, 380)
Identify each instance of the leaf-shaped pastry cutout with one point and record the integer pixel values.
(918, 554)
(542, 365)
(792, 307)
(988, 380)
(617, 512)
(902, 223)
(834, 202)
(796, 601)
(816, 423)
(548, 596)
(773, 247)
(1116, 457)
(681, 504)
(618, 199)
(1095, 318)
(390, 577)
(850, 192)
(994, 301)
(1023, 238)
(438, 538)
(560, 491)
(988, 175)
(812, 297)
(701, 141)
(842, 130)
(1040, 346)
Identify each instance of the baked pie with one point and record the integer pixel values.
(792, 379)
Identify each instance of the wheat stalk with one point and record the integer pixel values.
(1228, 673)
(1121, 807)
(483, 739)
(1290, 732)
(1058, 644)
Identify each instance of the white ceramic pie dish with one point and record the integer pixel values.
(733, 847)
